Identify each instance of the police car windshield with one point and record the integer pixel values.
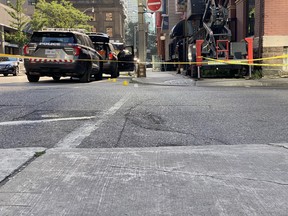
(52, 37)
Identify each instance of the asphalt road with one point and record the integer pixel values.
(110, 114)
(191, 150)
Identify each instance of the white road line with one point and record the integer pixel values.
(13, 123)
(75, 138)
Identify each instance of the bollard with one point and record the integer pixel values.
(141, 70)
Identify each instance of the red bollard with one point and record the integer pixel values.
(250, 49)
(250, 54)
(199, 57)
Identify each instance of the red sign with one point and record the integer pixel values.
(154, 5)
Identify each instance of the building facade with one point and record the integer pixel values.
(271, 35)
(5, 27)
(28, 6)
(132, 7)
(165, 21)
(108, 16)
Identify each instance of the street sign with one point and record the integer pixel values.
(154, 5)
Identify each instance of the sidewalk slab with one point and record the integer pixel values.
(228, 83)
(171, 78)
(13, 159)
(203, 180)
(167, 78)
(264, 82)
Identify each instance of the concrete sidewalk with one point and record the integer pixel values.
(14, 159)
(171, 78)
(203, 180)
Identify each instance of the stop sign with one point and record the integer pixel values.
(154, 5)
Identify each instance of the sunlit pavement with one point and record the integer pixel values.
(204, 180)
(171, 78)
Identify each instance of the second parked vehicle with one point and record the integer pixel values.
(62, 52)
(9, 65)
(107, 51)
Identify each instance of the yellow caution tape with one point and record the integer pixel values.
(245, 62)
(209, 61)
(271, 58)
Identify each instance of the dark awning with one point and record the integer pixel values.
(179, 29)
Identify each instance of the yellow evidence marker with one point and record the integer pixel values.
(125, 83)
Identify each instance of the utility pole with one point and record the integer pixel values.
(2, 40)
(141, 71)
(135, 40)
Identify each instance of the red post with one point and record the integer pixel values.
(199, 57)
(250, 49)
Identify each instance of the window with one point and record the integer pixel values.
(109, 16)
(49, 37)
(109, 31)
(32, 2)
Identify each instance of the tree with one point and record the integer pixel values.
(19, 22)
(58, 15)
(151, 44)
(130, 36)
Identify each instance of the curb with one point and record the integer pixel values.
(135, 80)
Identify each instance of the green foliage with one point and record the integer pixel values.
(38, 154)
(19, 22)
(130, 33)
(152, 44)
(18, 37)
(58, 15)
(257, 73)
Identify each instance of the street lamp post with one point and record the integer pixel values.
(141, 72)
(91, 18)
(92, 9)
(135, 40)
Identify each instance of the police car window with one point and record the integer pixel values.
(79, 39)
(86, 41)
(90, 43)
(52, 37)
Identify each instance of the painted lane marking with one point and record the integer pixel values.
(75, 138)
(13, 123)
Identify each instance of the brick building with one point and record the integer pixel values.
(269, 31)
(272, 34)
(107, 16)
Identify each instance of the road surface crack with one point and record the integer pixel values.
(279, 145)
(217, 177)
